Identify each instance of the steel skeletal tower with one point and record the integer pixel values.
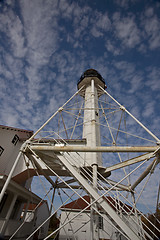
(95, 153)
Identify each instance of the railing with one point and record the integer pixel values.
(91, 73)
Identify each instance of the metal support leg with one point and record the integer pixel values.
(8, 214)
(99, 199)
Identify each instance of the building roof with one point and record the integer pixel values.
(80, 204)
(16, 129)
(22, 192)
(32, 206)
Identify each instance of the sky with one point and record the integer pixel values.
(46, 45)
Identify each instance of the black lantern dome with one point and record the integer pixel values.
(88, 75)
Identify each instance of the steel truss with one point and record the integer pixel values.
(130, 154)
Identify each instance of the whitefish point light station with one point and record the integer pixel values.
(95, 163)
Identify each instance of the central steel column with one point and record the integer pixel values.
(92, 134)
(91, 130)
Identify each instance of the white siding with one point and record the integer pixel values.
(11, 151)
(83, 224)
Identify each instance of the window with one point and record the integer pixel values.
(1, 150)
(3, 201)
(15, 209)
(100, 222)
(42, 230)
(15, 139)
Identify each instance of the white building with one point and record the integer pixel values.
(80, 227)
(18, 195)
(37, 217)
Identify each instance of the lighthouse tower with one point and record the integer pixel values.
(91, 79)
(67, 151)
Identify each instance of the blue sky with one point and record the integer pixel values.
(45, 46)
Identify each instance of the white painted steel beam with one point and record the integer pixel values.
(124, 109)
(61, 108)
(40, 169)
(62, 185)
(68, 148)
(130, 162)
(146, 172)
(119, 186)
(99, 199)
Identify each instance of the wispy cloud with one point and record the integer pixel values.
(153, 78)
(44, 53)
(101, 23)
(111, 47)
(150, 22)
(126, 30)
